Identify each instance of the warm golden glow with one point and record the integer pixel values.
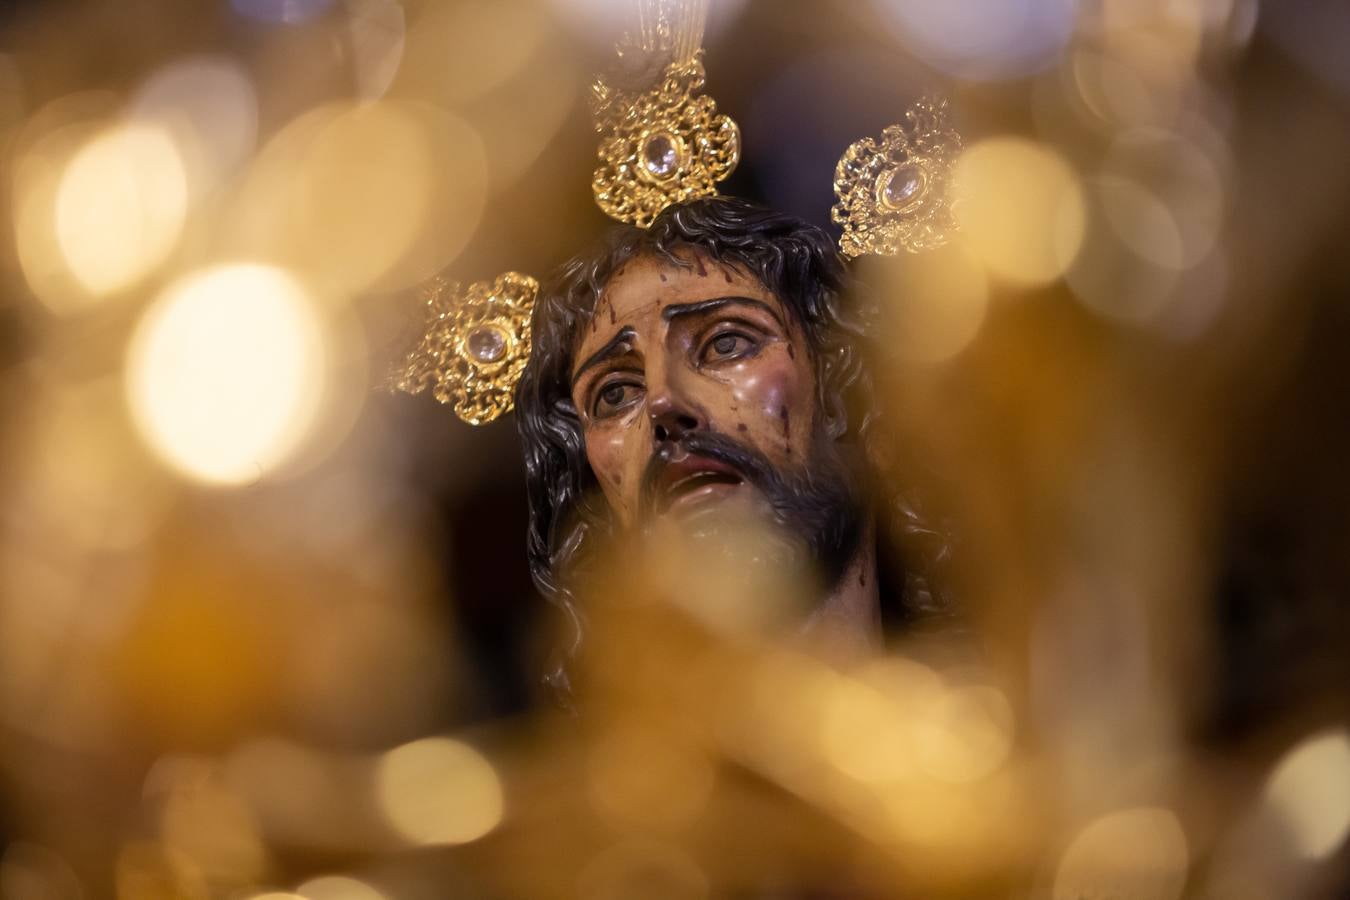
(865, 739)
(897, 722)
(1309, 792)
(868, 727)
(1139, 852)
(935, 305)
(649, 777)
(148, 871)
(378, 195)
(209, 105)
(207, 823)
(460, 52)
(1021, 209)
(36, 180)
(121, 206)
(439, 791)
(338, 887)
(967, 734)
(224, 372)
(378, 33)
(32, 871)
(642, 868)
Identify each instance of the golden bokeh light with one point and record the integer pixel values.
(32, 872)
(1106, 91)
(209, 104)
(643, 868)
(1309, 791)
(897, 722)
(458, 52)
(121, 206)
(1108, 276)
(363, 196)
(338, 887)
(786, 702)
(1141, 221)
(868, 722)
(86, 476)
(1179, 177)
(149, 871)
(1021, 209)
(1140, 852)
(647, 777)
(525, 118)
(225, 371)
(378, 34)
(207, 823)
(36, 179)
(439, 791)
(299, 793)
(865, 738)
(935, 304)
(967, 734)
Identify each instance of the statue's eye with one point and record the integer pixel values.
(614, 396)
(726, 345)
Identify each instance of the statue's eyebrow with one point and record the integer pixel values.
(675, 310)
(615, 346)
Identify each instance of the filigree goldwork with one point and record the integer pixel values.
(660, 146)
(475, 345)
(897, 194)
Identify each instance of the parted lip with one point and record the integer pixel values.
(679, 479)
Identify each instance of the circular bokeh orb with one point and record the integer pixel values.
(224, 373)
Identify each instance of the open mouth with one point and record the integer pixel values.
(700, 485)
(694, 480)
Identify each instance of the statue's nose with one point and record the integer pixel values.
(672, 415)
(673, 427)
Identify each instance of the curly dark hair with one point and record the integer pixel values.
(793, 259)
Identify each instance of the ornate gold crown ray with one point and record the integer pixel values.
(662, 141)
(475, 345)
(896, 194)
(661, 146)
(665, 143)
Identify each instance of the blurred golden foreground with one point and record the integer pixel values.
(259, 623)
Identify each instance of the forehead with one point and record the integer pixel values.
(643, 287)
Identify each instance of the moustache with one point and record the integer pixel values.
(820, 503)
(753, 467)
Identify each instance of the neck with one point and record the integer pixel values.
(847, 625)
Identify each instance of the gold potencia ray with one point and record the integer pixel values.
(668, 143)
(896, 193)
(474, 347)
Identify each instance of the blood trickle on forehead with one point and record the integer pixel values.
(689, 345)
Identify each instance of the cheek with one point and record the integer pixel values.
(772, 405)
(613, 455)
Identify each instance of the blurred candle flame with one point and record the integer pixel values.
(338, 887)
(439, 791)
(120, 206)
(1137, 853)
(1021, 209)
(224, 372)
(1309, 791)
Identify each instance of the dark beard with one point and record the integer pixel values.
(819, 506)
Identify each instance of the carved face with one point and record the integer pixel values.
(679, 362)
